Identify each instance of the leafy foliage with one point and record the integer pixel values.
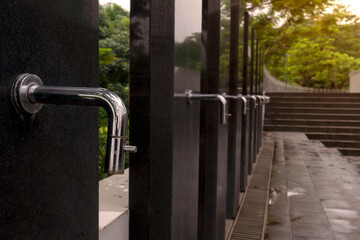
(106, 56)
(316, 47)
(323, 66)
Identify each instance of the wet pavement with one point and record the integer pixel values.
(315, 191)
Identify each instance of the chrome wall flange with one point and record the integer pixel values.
(22, 86)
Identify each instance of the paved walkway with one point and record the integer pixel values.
(315, 191)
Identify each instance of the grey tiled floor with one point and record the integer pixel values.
(315, 191)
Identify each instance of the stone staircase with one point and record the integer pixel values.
(333, 118)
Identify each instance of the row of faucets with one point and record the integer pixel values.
(257, 100)
(29, 94)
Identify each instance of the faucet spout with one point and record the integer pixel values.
(267, 99)
(29, 94)
(261, 99)
(253, 98)
(210, 97)
(207, 97)
(244, 100)
(239, 97)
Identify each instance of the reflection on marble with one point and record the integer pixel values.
(188, 16)
(225, 29)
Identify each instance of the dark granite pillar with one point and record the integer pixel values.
(186, 120)
(236, 111)
(151, 118)
(245, 120)
(213, 136)
(49, 164)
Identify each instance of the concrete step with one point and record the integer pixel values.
(285, 99)
(341, 144)
(272, 109)
(304, 128)
(312, 116)
(312, 122)
(292, 104)
(350, 151)
(301, 94)
(333, 136)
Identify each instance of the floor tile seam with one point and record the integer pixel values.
(281, 164)
(268, 189)
(294, 235)
(283, 152)
(348, 166)
(317, 194)
(301, 154)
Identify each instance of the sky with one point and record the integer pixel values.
(124, 3)
(354, 5)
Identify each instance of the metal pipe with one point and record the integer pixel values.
(243, 99)
(261, 99)
(267, 99)
(207, 97)
(239, 97)
(29, 94)
(253, 98)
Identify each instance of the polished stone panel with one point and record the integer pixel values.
(213, 136)
(49, 163)
(151, 114)
(186, 135)
(229, 64)
(243, 87)
(225, 37)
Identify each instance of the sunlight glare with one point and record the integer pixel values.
(354, 6)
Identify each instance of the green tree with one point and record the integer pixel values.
(322, 47)
(323, 66)
(114, 43)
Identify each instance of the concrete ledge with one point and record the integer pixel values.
(355, 81)
(113, 207)
(354, 73)
(271, 84)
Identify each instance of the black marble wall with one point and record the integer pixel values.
(151, 118)
(213, 136)
(236, 111)
(49, 164)
(244, 29)
(186, 119)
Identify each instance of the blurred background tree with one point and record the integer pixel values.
(308, 43)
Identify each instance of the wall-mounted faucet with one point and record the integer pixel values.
(207, 97)
(244, 100)
(239, 97)
(267, 99)
(252, 97)
(261, 99)
(29, 94)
